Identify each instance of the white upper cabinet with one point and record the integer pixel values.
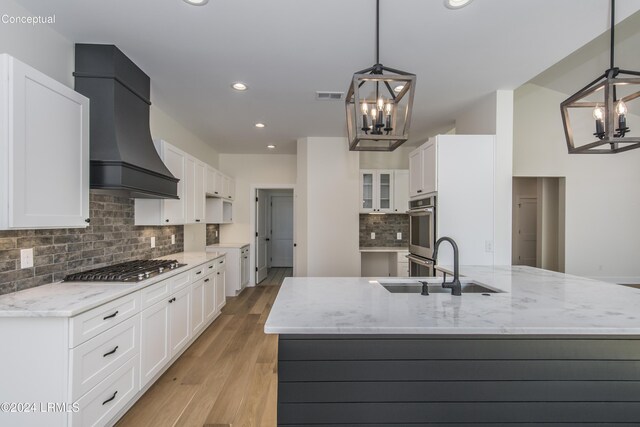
(194, 185)
(377, 191)
(210, 188)
(423, 170)
(229, 188)
(165, 211)
(44, 150)
(400, 191)
(201, 191)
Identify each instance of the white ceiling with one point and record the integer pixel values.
(285, 50)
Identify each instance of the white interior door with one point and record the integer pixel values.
(282, 231)
(261, 235)
(526, 227)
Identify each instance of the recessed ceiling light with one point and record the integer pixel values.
(239, 86)
(271, 146)
(260, 125)
(196, 2)
(398, 88)
(456, 4)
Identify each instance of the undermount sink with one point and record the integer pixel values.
(415, 287)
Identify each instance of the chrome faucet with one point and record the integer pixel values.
(454, 285)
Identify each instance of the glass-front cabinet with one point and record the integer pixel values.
(376, 191)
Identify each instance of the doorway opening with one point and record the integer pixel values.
(539, 222)
(274, 225)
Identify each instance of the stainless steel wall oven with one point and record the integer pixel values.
(422, 236)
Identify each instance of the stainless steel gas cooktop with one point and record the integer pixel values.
(130, 271)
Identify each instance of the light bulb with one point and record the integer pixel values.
(388, 108)
(380, 104)
(621, 108)
(374, 112)
(598, 112)
(365, 108)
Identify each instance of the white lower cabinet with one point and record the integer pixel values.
(110, 396)
(104, 359)
(154, 340)
(220, 290)
(179, 320)
(210, 303)
(198, 301)
(94, 360)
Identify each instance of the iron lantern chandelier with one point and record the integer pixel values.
(378, 105)
(607, 100)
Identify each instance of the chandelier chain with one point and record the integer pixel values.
(613, 26)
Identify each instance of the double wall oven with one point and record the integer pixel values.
(422, 236)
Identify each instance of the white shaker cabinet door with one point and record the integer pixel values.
(46, 144)
(174, 159)
(179, 320)
(154, 340)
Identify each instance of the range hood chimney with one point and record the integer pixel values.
(123, 156)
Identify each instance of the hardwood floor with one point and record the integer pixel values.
(228, 377)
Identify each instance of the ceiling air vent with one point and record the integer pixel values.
(329, 96)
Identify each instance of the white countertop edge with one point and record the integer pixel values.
(548, 332)
(84, 296)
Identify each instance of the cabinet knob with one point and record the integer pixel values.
(87, 220)
(419, 191)
(218, 273)
(197, 220)
(166, 220)
(206, 280)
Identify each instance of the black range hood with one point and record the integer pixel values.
(123, 156)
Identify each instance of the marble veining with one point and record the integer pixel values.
(67, 299)
(532, 301)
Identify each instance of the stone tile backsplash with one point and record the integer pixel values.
(386, 227)
(111, 238)
(213, 234)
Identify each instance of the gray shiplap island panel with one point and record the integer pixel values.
(503, 380)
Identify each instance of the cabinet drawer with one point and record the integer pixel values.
(97, 358)
(198, 273)
(105, 400)
(180, 281)
(154, 293)
(89, 324)
(221, 262)
(210, 267)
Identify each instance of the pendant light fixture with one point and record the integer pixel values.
(379, 103)
(603, 104)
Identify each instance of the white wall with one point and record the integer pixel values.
(331, 192)
(37, 45)
(479, 118)
(601, 197)
(165, 127)
(397, 159)
(257, 171)
(493, 115)
(300, 209)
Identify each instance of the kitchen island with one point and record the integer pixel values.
(546, 348)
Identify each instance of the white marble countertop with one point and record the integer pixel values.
(384, 249)
(67, 299)
(531, 301)
(227, 245)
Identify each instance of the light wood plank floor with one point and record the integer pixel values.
(228, 377)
